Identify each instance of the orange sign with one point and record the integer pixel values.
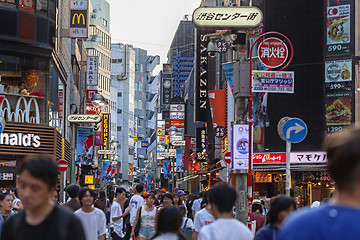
(177, 123)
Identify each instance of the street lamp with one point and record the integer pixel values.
(114, 143)
(98, 100)
(173, 130)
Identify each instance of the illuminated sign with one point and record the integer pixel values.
(89, 179)
(78, 18)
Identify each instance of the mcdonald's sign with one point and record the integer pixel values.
(78, 19)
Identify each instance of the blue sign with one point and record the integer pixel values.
(144, 144)
(295, 130)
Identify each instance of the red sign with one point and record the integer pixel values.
(91, 109)
(269, 158)
(227, 157)
(99, 138)
(62, 165)
(189, 155)
(273, 52)
(90, 93)
(177, 123)
(60, 103)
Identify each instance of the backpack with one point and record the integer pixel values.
(187, 232)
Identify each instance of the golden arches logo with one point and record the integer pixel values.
(78, 16)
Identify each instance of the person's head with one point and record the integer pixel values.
(102, 195)
(139, 188)
(186, 194)
(182, 210)
(201, 194)
(162, 191)
(222, 198)
(167, 199)
(191, 197)
(120, 194)
(14, 192)
(72, 190)
(157, 193)
(21, 85)
(87, 197)
(280, 208)
(133, 188)
(181, 194)
(343, 155)
(150, 199)
(111, 196)
(256, 208)
(176, 199)
(38, 176)
(262, 193)
(169, 220)
(6, 202)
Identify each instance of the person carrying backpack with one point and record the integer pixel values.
(187, 226)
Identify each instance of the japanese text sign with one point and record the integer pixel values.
(90, 93)
(106, 134)
(226, 17)
(92, 70)
(273, 81)
(84, 118)
(308, 157)
(240, 147)
(269, 158)
(273, 52)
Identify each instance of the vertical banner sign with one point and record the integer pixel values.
(217, 99)
(201, 137)
(61, 104)
(338, 29)
(166, 85)
(79, 19)
(240, 147)
(92, 70)
(84, 146)
(108, 171)
(201, 75)
(180, 159)
(190, 152)
(106, 134)
(167, 169)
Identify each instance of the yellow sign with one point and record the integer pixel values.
(91, 187)
(89, 179)
(167, 139)
(78, 19)
(135, 138)
(159, 132)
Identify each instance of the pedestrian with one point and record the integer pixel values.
(167, 200)
(189, 203)
(340, 217)
(17, 205)
(197, 204)
(6, 206)
(280, 208)
(176, 200)
(41, 219)
(256, 214)
(93, 219)
(127, 226)
(100, 203)
(163, 191)
(169, 224)
(147, 215)
(187, 226)
(109, 203)
(72, 191)
(117, 215)
(135, 202)
(157, 197)
(203, 217)
(222, 198)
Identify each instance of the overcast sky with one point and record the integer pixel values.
(148, 24)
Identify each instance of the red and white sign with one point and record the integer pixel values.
(62, 165)
(90, 93)
(227, 157)
(91, 109)
(60, 103)
(273, 52)
(177, 123)
(2, 97)
(269, 158)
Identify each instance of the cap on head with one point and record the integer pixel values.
(163, 190)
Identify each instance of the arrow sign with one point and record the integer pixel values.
(295, 130)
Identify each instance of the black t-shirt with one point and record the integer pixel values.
(59, 225)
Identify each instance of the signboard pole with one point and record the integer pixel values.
(64, 176)
(73, 140)
(288, 150)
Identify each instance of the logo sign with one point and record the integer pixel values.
(177, 123)
(308, 157)
(177, 107)
(178, 143)
(166, 90)
(338, 71)
(78, 23)
(227, 157)
(273, 52)
(177, 115)
(167, 154)
(240, 144)
(62, 165)
(144, 144)
(2, 124)
(84, 118)
(226, 17)
(106, 152)
(273, 81)
(106, 133)
(220, 132)
(91, 109)
(295, 130)
(78, 4)
(89, 179)
(222, 46)
(92, 72)
(269, 158)
(167, 68)
(90, 93)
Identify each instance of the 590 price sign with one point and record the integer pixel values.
(338, 49)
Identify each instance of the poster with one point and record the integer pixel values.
(273, 81)
(338, 30)
(338, 71)
(180, 155)
(167, 169)
(240, 147)
(85, 146)
(190, 153)
(260, 115)
(108, 171)
(228, 69)
(338, 111)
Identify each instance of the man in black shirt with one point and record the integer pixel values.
(41, 218)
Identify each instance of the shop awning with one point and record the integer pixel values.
(293, 167)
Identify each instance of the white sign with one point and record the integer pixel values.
(175, 138)
(177, 107)
(84, 118)
(308, 157)
(167, 154)
(92, 70)
(273, 81)
(106, 151)
(338, 70)
(178, 143)
(227, 17)
(240, 153)
(177, 115)
(20, 139)
(78, 4)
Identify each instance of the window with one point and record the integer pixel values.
(140, 122)
(119, 111)
(138, 104)
(105, 22)
(119, 94)
(119, 129)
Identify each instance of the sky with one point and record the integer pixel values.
(148, 24)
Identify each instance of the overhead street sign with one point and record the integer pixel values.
(167, 154)
(178, 143)
(219, 18)
(106, 151)
(295, 130)
(84, 118)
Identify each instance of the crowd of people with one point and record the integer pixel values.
(33, 211)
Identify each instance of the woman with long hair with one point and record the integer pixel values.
(189, 204)
(176, 200)
(257, 215)
(147, 214)
(169, 224)
(100, 203)
(109, 203)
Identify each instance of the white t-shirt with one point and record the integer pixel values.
(118, 224)
(189, 223)
(196, 205)
(135, 202)
(94, 223)
(224, 228)
(202, 218)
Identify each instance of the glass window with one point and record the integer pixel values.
(26, 26)
(8, 20)
(52, 9)
(42, 30)
(42, 7)
(105, 22)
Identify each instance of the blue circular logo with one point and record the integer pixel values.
(242, 146)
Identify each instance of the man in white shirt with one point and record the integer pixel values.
(222, 198)
(203, 217)
(93, 219)
(197, 204)
(136, 201)
(116, 215)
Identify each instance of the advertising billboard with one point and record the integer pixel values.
(240, 147)
(85, 146)
(180, 158)
(166, 87)
(106, 135)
